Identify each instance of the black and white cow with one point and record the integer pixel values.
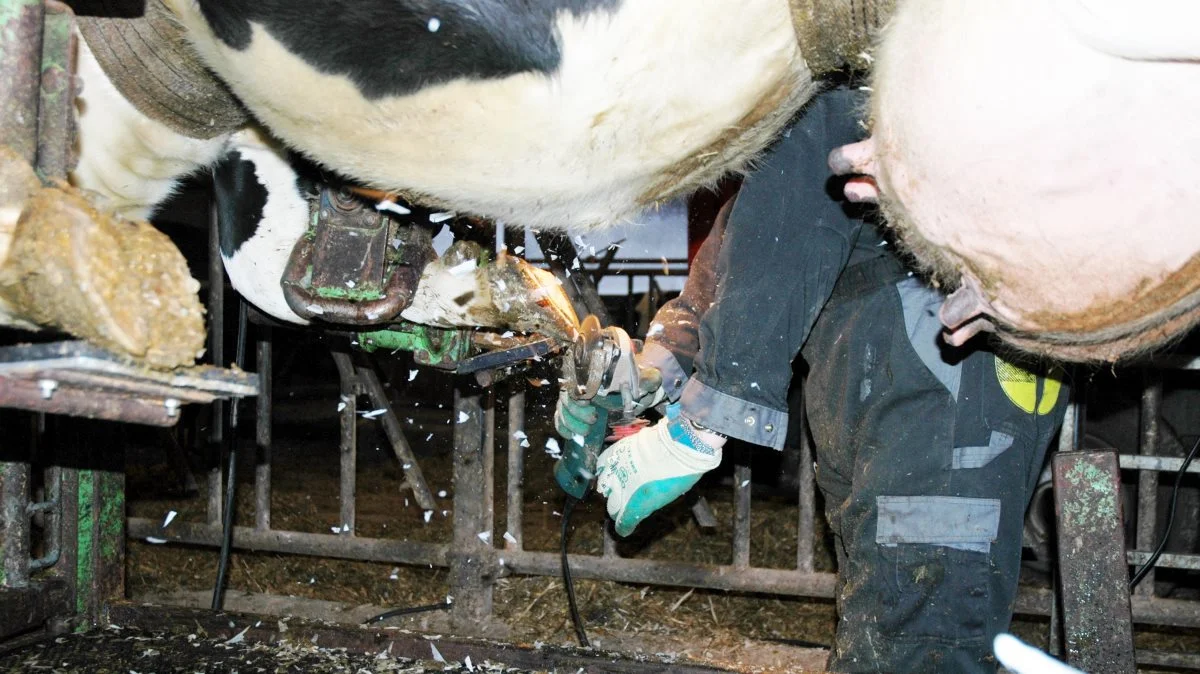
(549, 113)
(263, 195)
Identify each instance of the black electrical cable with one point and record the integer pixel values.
(231, 446)
(406, 611)
(568, 507)
(1145, 568)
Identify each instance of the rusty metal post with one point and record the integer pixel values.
(471, 572)
(20, 74)
(348, 415)
(395, 434)
(514, 512)
(1097, 618)
(1147, 493)
(262, 434)
(216, 351)
(14, 524)
(741, 511)
(55, 140)
(805, 528)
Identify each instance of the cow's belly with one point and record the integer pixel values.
(132, 161)
(656, 99)
(1060, 178)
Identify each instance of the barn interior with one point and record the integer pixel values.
(340, 497)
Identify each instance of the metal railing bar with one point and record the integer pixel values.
(296, 542)
(741, 514)
(1147, 491)
(514, 513)
(262, 434)
(348, 444)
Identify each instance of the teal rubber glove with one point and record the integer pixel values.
(573, 418)
(658, 464)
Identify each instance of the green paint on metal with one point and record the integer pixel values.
(1097, 502)
(430, 346)
(10, 10)
(112, 516)
(84, 565)
(362, 293)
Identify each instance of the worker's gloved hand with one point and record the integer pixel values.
(647, 470)
(573, 417)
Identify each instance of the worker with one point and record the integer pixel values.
(926, 454)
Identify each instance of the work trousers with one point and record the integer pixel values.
(927, 457)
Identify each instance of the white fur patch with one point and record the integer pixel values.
(637, 92)
(256, 268)
(134, 162)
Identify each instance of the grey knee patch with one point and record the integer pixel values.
(969, 524)
(920, 304)
(978, 457)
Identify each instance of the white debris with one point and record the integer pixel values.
(464, 267)
(170, 518)
(315, 309)
(412, 374)
(371, 414)
(744, 483)
(866, 57)
(428, 516)
(350, 283)
(578, 439)
(156, 541)
(519, 249)
(865, 89)
(434, 24)
(467, 662)
(506, 334)
(485, 536)
(341, 406)
(389, 205)
(753, 384)
(575, 264)
(442, 493)
(520, 435)
(443, 216)
(655, 328)
(437, 656)
(552, 448)
(462, 417)
(450, 598)
(395, 575)
(238, 638)
(525, 443)
(510, 538)
(428, 437)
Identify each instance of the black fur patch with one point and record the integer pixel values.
(240, 200)
(386, 47)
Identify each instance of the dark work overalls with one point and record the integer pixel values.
(926, 455)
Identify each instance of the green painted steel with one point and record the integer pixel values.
(430, 346)
(85, 532)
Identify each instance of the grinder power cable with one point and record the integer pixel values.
(599, 369)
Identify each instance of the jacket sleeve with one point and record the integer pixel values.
(673, 339)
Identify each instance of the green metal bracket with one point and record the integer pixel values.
(436, 347)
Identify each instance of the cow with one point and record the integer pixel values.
(264, 196)
(1042, 160)
(556, 114)
(1031, 205)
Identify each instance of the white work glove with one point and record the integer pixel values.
(658, 464)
